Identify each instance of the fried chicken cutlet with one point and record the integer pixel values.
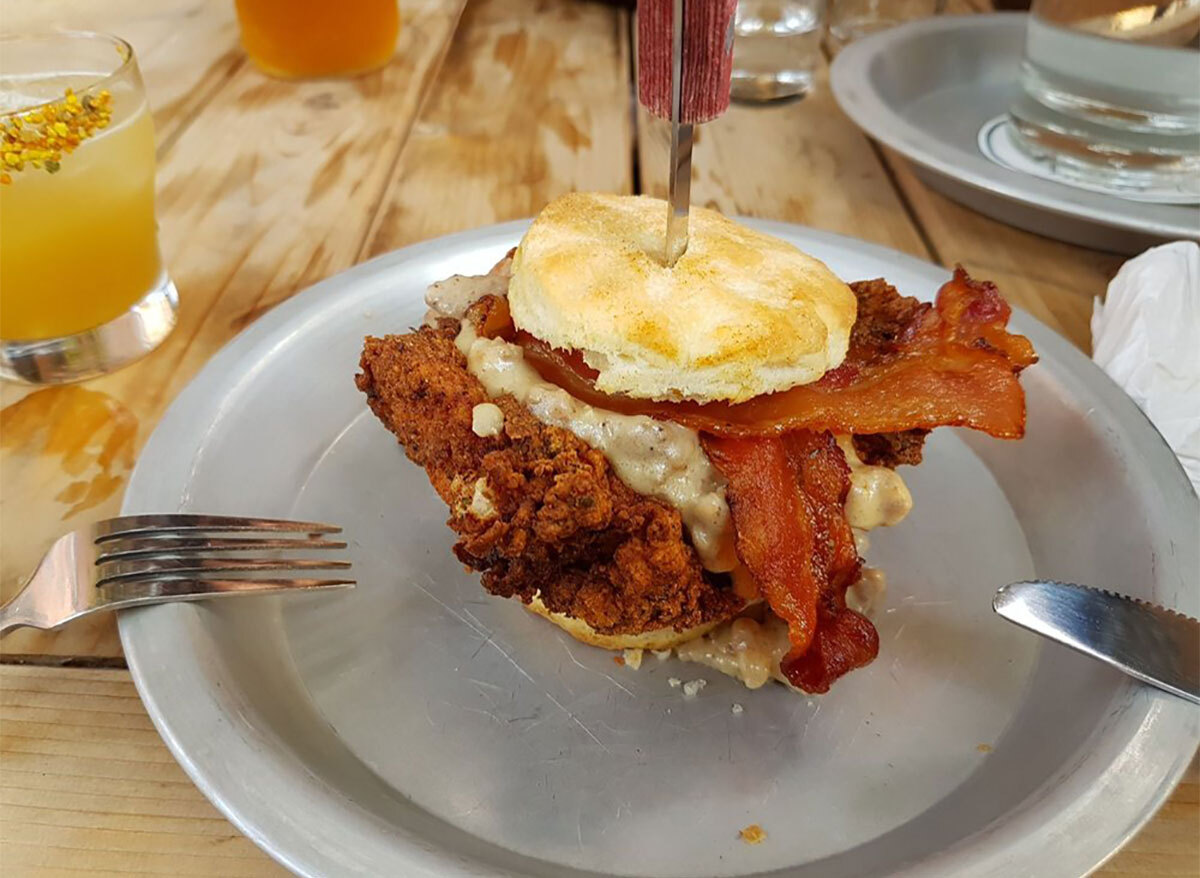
(537, 511)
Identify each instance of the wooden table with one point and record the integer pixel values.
(490, 109)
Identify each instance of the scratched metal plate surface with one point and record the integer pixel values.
(417, 726)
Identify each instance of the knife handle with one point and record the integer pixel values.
(707, 58)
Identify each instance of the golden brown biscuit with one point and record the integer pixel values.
(740, 314)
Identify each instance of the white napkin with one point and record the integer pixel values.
(1146, 336)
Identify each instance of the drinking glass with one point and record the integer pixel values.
(1110, 92)
(82, 286)
(776, 48)
(297, 39)
(850, 20)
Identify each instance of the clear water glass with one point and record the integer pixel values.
(776, 48)
(1110, 92)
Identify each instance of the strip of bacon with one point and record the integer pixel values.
(910, 365)
(845, 640)
(774, 532)
(788, 497)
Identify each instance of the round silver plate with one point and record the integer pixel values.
(927, 87)
(418, 726)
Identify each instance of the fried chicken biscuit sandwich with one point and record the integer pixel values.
(687, 457)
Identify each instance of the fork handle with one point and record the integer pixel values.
(17, 613)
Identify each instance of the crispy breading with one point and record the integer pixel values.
(885, 318)
(537, 510)
(891, 449)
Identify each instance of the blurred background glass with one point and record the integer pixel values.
(850, 20)
(776, 48)
(777, 43)
(82, 286)
(1110, 92)
(297, 39)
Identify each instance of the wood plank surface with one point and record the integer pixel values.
(88, 788)
(532, 102)
(186, 49)
(269, 189)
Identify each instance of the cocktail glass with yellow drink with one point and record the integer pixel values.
(82, 286)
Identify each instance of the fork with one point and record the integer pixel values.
(150, 559)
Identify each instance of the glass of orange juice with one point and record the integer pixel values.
(83, 290)
(298, 39)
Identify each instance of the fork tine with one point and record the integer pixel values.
(164, 568)
(116, 548)
(152, 591)
(182, 523)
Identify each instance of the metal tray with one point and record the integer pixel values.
(417, 726)
(927, 87)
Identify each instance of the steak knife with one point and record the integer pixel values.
(1156, 645)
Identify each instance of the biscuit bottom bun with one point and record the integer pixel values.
(742, 313)
(660, 638)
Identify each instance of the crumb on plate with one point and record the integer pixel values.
(753, 834)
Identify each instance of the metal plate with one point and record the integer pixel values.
(926, 88)
(417, 726)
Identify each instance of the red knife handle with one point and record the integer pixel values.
(707, 57)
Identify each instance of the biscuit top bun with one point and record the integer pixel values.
(740, 314)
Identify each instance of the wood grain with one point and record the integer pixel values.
(186, 48)
(88, 788)
(271, 188)
(532, 102)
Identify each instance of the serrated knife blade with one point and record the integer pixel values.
(1156, 645)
